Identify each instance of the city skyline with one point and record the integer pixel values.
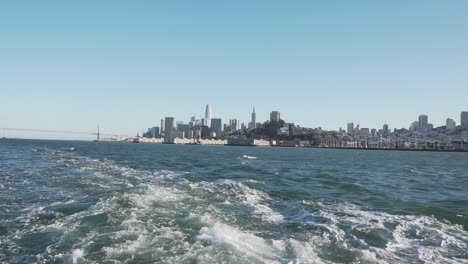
(71, 66)
(463, 115)
(420, 135)
(423, 122)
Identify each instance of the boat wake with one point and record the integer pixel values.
(172, 217)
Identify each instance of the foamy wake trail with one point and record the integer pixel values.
(232, 192)
(250, 248)
(244, 243)
(157, 223)
(403, 237)
(165, 218)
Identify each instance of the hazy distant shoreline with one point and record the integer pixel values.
(272, 146)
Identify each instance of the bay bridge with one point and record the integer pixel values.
(97, 134)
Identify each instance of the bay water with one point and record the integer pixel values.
(96, 202)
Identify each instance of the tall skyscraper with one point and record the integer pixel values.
(208, 115)
(464, 119)
(234, 124)
(350, 128)
(385, 130)
(162, 126)
(216, 126)
(155, 132)
(254, 119)
(205, 132)
(423, 123)
(185, 129)
(168, 126)
(274, 116)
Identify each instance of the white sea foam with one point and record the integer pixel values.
(155, 194)
(77, 255)
(237, 192)
(244, 243)
(127, 247)
(305, 252)
(414, 236)
(147, 219)
(249, 157)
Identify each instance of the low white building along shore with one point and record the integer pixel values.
(240, 140)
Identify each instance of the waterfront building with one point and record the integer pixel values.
(205, 132)
(450, 124)
(168, 126)
(238, 140)
(464, 135)
(155, 132)
(185, 129)
(208, 115)
(373, 132)
(464, 119)
(275, 116)
(216, 126)
(162, 126)
(196, 133)
(253, 120)
(350, 128)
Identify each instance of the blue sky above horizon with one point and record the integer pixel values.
(125, 65)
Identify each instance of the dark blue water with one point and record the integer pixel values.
(88, 202)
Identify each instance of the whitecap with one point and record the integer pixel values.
(423, 237)
(238, 192)
(249, 157)
(77, 255)
(245, 243)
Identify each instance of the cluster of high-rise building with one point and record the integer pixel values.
(207, 127)
(421, 126)
(420, 132)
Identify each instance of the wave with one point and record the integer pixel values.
(175, 224)
(162, 216)
(233, 192)
(392, 238)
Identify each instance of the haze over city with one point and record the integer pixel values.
(72, 66)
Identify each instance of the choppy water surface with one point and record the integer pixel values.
(87, 202)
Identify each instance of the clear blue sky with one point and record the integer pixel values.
(126, 64)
